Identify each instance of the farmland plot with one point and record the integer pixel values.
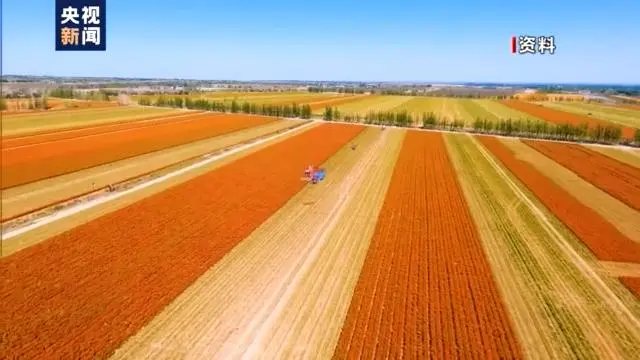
(50, 121)
(627, 156)
(559, 305)
(375, 103)
(446, 108)
(499, 111)
(561, 117)
(115, 287)
(289, 263)
(620, 215)
(25, 164)
(426, 289)
(602, 238)
(619, 180)
(36, 195)
(619, 116)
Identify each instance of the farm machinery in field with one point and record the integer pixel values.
(313, 175)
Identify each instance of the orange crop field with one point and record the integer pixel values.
(80, 294)
(36, 138)
(28, 163)
(561, 117)
(633, 283)
(619, 180)
(426, 289)
(600, 236)
(335, 101)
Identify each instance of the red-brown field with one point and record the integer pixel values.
(82, 293)
(602, 238)
(619, 180)
(561, 117)
(426, 289)
(633, 283)
(36, 138)
(24, 164)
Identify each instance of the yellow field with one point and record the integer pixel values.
(374, 103)
(55, 120)
(617, 115)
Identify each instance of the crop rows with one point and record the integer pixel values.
(617, 179)
(426, 289)
(535, 273)
(561, 117)
(83, 292)
(602, 238)
(34, 162)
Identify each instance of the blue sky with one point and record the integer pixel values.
(597, 41)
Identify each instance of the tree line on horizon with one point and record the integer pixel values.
(610, 134)
(288, 110)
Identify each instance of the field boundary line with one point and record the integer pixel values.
(88, 205)
(562, 241)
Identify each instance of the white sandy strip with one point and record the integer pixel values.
(113, 196)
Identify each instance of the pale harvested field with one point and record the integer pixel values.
(627, 156)
(50, 121)
(447, 108)
(620, 215)
(34, 195)
(302, 264)
(374, 103)
(619, 269)
(619, 116)
(35, 236)
(560, 306)
(501, 112)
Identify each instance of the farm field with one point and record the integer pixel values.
(467, 110)
(157, 227)
(619, 116)
(627, 156)
(560, 117)
(18, 125)
(21, 106)
(447, 108)
(616, 212)
(301, 245)
(35, 195)
(257, 97)
(599, 235)
(374, 103)
(418, 244)
(28, 163)
(618, 179)
(560, 306)
(43, 137)
(494, 111)
(426, 288)
(337, 101)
